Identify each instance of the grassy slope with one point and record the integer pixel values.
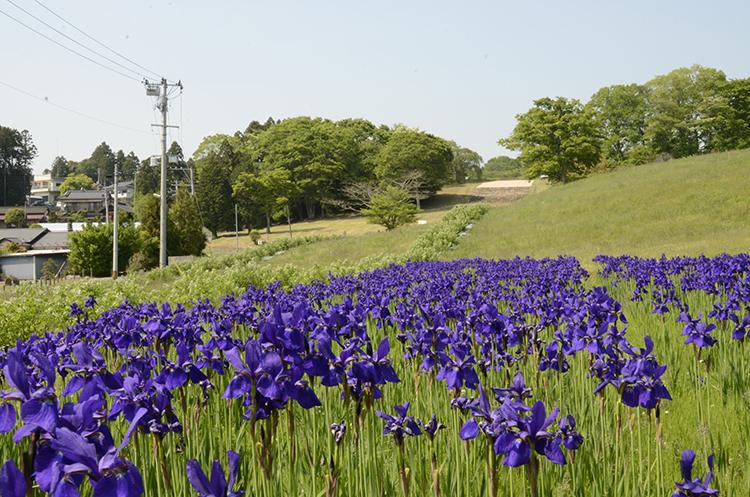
(683, 207)
(367, 239)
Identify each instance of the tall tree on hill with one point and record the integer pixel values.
(60, 167)
(411, 150)
(314, 151)
(100, 165)
(621, 112)
(127, 165)
(557, 138)
(213, 189)
(688, 111)
(17, 152)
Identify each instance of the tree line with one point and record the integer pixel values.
(688, 111)
(306, 167)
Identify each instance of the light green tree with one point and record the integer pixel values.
(621, 112)
(91, 248)
(391, 208)
(76, 182)
(558, 138)
(688, 109)
(409, 150)
(465, 162)
(16, 217)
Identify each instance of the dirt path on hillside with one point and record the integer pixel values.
(502, 191)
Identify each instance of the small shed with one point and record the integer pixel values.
(28, 265)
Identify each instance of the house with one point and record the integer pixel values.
(92, 202)
(46, 187)
(36, 214)
(40, 244)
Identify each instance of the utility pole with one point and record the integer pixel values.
(115, 269)
(160, 91)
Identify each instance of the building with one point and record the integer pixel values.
(46, 187)
(36, 214)
(39, 244)
(92, 202)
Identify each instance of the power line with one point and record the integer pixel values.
(74, 41)
(68, 48)
(96, 41)
(71, 110)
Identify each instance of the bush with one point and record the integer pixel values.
(16, 217)
(91, 248)
(391, 208)
(254, 236)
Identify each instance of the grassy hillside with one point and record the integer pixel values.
(683, 207)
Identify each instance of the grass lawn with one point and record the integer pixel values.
(362, 239)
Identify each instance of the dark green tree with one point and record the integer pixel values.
(17, 152)
(60, 167)
(391, 208)
(688, 111)
(213, 189)
(127, 165)
(100, 166)
(557, 138)
(148, 178)
(187, 231)
(266, 192)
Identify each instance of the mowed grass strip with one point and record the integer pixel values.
(698, 205)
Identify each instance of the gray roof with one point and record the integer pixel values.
(26, 236)
(52, 241)
(72, 195)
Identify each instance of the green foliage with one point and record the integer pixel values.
(49, 269)
(503, 167)
(99, 166)
(266, 192)
(76, 182)
(409, 150)
(60, 167)
(254, 236)
(16, 217)
(621, 112)
(465, 163)
(558, 138)
(78, 217)
(11, 248)
(187, 232)
(688, 111)
(17, 153)
(391, 208)
(53, 217)
(91, 248)
(213, 190)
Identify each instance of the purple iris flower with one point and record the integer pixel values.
(694, 487)
(12, 482)
(567, 435)
(431, 427)
(401, 425)
(217, 486)
(459, 371)
(742, 329)
(532, 434)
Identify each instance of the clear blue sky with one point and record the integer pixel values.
(459, 70)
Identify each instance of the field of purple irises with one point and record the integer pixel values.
(463, 378)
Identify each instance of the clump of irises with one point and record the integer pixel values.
(518, 432)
